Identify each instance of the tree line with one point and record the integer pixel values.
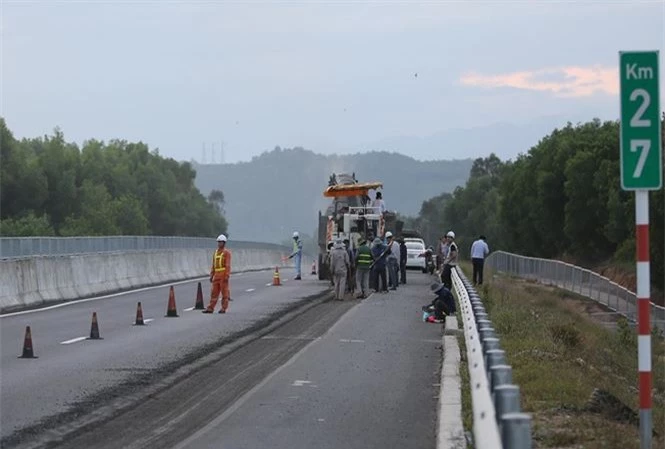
(50, 187)
(562, 199)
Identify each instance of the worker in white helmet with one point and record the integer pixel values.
(393, 260)
(220, 273)
(297, 253)
(450, 261)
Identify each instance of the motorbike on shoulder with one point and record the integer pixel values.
(430, 266)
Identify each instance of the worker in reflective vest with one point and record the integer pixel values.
(297, 253)
(219, 276)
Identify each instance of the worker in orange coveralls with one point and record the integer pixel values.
(219, 276)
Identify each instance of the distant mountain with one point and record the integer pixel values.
(282, 190)
(506, 140)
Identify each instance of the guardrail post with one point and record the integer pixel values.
(480, 315)
(506, 400)
(500, 375)
(490, 344)
(486, 332)
(516, 430)
(494, 357)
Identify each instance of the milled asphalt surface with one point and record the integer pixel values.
(79, 376)
(354, 374)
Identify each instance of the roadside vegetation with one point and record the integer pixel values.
(49, 187)
(465, 381)
(575, 365)
(561, 199)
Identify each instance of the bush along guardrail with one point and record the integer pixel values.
(498, 421)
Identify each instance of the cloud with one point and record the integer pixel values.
(571, 81)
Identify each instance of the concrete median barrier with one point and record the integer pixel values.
(36, 281)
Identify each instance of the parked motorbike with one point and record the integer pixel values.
(429, 260)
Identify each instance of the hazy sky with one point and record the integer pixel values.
(330, 76)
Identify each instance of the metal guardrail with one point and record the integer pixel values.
(498, 422)
(20, 247)
(577, 280)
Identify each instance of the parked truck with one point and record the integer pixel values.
(350, 216)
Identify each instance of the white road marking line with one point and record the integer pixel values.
(344, 340)
(250, 290)
(73, 340)
(320, 420)
(189, 309)
(268, 285)
(300, 383)
(289, 337)
(146, 320)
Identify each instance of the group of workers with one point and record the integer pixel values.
(368, 265)
(444, 303)
(447, 258)
(375, 264)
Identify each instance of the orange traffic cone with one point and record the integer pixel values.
(275, 277)
(313, 267)
(94, 328)
(171, 311)
(139, 315)
(27, 345)
(199, 299)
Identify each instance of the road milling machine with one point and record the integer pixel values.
(350, 216)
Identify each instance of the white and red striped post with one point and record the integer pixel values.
(643, 315)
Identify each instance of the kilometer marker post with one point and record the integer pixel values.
(641, 171)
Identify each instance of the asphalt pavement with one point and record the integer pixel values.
(370, 382)
(73, 375)
(353, 374)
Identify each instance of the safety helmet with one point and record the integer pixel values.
(295, 234)
(389, 234)
(450, 234)
(221, 238)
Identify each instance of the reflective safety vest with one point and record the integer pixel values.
(218, 262)
(297, 245)
(364, 257)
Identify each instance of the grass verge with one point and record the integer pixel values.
(561, 353)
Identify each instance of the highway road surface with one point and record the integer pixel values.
(356, 374)
(73, 374)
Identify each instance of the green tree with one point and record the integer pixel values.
(216, 198)
(129, 215)
(49, 186)
(27, 226)
(23, 184)
(561, 198)
(96, 215)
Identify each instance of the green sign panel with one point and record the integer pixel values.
(641, 154)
